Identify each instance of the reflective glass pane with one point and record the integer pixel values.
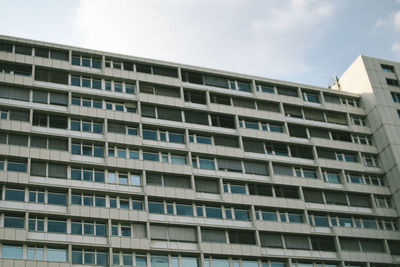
(11, 252)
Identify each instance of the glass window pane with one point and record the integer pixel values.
(76, 174)
(89, 257)
(57, 227)
(141, 260)
(76, 228)
(11, 252)
(137, 205)
(99, 176)
(100, 201)
(156, 207)
(212, 212)
(124, 204)
(150, 156)
(127, 260)
(207, 164)
(15, 195)
(88, 229)
(135, 180)
(16, 166)
(189, 262)
(159, 261)
(57, 199)
(77, 257)
(150, 134)
(100, 230)
(14, 222)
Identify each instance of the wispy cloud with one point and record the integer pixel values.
(396, 49)
(391, 21)
(258, 37)
(396, 21)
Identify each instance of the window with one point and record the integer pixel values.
(87, 149)
(322, 243)
(59, 99)
(86, 61)
(370, 160)
(306, 173)
(346, 156)
(11, 252)
(87, 126)
(87, 174)
(159, 90)
(241, 237)
(23, 50)
(6, 47)
(151, 156)
(337, 118)
(156, 207)
(314, 196)
(269, 216)
(272, 240)
(331, 176)
(312, 97)
(284, 170)
(297, 131)
(17, 115)
(387, 68)
(234, 188)
(210, 235)
(229, 165)
(223, 121)
(297, 242)
(207, 185)
(14, 222)
(89, 256)
(260, 189)
(395, 97)
(197, 97)
(173, 233)
(16, 165)
(36, 196)
(266, 88)
(12, 92)
(358, 120)
(168, 180)
(57, 198)
(54, 226)
(51, 75)
(207, 164)
(88, 228)
(392, 82)
(213, 212)
(288, 91)
(278, 149)
(35, 253)
(255, 168)
(337, 198)
(321, 221)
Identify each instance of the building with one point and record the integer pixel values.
(108, 159)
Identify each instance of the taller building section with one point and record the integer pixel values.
(377, 81)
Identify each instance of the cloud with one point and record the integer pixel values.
(396, 49)
(392, 21)
(266, 38)
(396, 21)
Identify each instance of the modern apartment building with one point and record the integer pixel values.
(111, 160)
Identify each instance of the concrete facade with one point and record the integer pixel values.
(114, 160)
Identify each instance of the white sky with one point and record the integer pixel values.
(304, 41)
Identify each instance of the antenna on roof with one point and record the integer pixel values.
(337, 82)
